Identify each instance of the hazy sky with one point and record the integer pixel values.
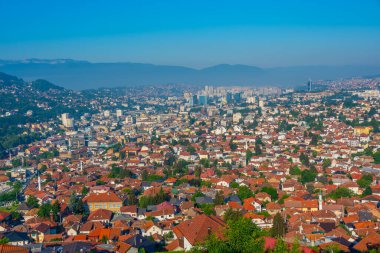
(194, 33)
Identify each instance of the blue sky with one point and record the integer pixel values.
(194, 33)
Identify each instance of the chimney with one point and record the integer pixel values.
(209, 230)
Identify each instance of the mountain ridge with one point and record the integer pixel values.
(75, 74)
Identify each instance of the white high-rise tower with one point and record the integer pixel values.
(39, 182)
(320, 201)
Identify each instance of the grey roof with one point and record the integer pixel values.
(15, 236)
(121, 216)
(204, 200)
(76, 247)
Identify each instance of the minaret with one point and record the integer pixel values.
(81, 166)
(39, 182)
(320, 201)
(246, 145)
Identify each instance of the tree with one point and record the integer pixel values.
(132, 199)
(365, 180)
(208, 209)
(84, 191)
(232, 215)
(326, 163)
(376, 157)
(234, 184)
(56, 210)
(296, 246)
(258, 150)
(144, 175)
(244, 192)
(17, 186)
(233, 146)
(244, 236)
(191, 149)
(341, 192)
(76, 205)
(44, 210)
(332, 248)
(280, 246)
(295, 170)
(279, 226)
(241, 236)
(367, 191)
(307, 176)
(4, 240)
(198, 171)
(271, 191)
(104, 239)
(314, 140)
(32, 201)
(219, 198)
(304, 159)
(248, 155)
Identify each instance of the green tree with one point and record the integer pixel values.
(104, 239)
(234, 184)
(279, 226)
(56, 210)
(365, 180)
(341, 192)
(280, 246)
(271, 191)
(76, 205)
(4, 240)
(244, 192)
(197, 171)
(44, 210)
(296, 246)
(233, 145)
(219, 198)
(84, 191)
(232, 215)
(208, 209)
(304, 159)
(248, 155)
(132, 199)
(244, 236)
(367, 191)
(295, 170)
(326, 163)
(32, 201)
(376, 157)
(307, 176)
(332, 248)
(191, 150)
(258, 150)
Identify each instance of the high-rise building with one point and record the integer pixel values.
(229, 97)
(309, 85)
(119, 113)
(237, 97)
(193, 100)
(203, 99)
(67, 120)
(106, 113)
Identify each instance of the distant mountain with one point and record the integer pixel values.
(84, 75)
(43, 85)
(8, 80)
